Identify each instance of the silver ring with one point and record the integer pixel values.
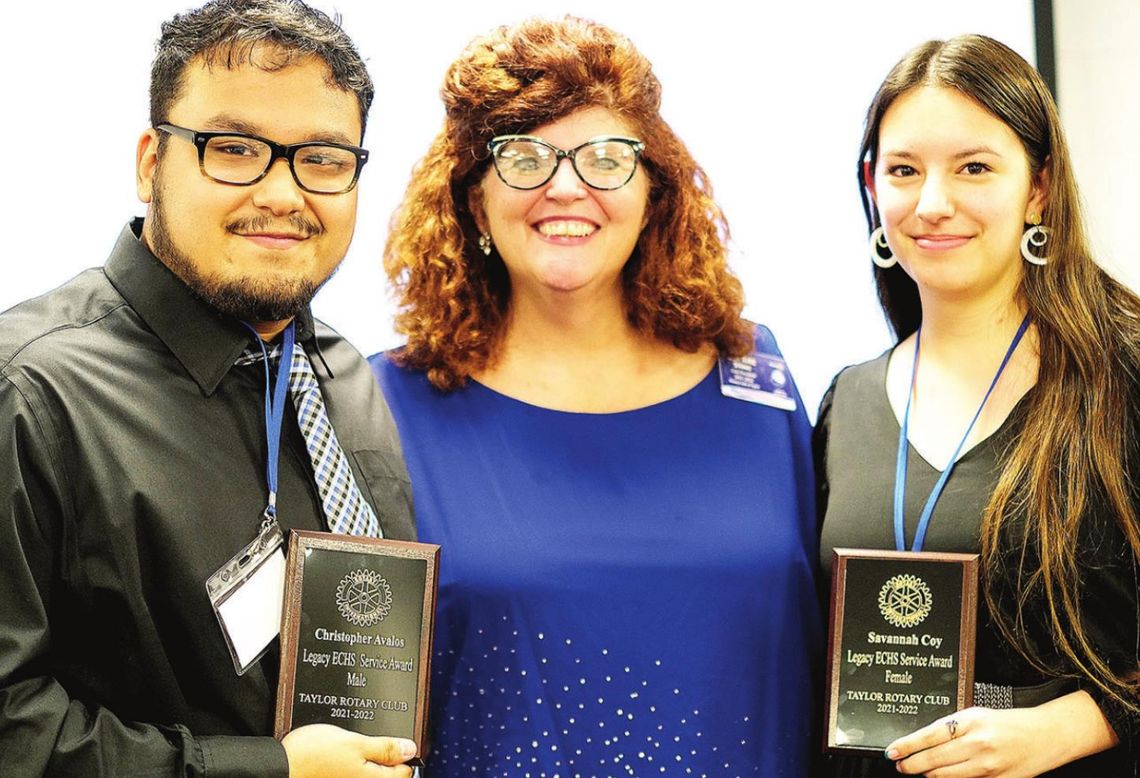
(952, 727)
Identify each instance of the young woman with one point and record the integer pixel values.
(985, 274)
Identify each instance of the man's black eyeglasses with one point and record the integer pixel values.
(240, 159)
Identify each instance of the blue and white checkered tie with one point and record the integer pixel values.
(345, 508)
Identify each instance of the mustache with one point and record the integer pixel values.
(295, 224)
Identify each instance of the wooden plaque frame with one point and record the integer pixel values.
(849, 663)
(382, 554)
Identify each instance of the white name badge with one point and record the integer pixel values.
(757, 378)
(247, 594)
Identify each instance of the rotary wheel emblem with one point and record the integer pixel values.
(905, 601)
(364, 598)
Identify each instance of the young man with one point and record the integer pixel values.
(134, 456)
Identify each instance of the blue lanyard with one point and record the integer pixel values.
(900, 467)
(275, 398)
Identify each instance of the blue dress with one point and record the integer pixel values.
(620, 594)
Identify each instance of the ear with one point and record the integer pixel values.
(146, 165)
(869, 179)
(1039, 191)
(475, 205)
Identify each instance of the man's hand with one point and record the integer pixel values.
(320, 750)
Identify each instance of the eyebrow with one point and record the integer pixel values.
(227, 123)
(970, 152)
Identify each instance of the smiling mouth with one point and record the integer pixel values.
(940, 242)
(273, 240)
(557, 228)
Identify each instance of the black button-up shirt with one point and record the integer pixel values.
(132, 466)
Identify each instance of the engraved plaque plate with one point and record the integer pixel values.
(356, 635)
(901, 647)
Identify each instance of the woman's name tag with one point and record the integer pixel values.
(757, 378)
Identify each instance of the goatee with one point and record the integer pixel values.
(247, 298)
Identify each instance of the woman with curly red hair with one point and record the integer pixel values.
(616, 465)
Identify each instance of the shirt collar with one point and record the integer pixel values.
(205, 341)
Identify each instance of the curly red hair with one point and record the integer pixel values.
(453, 299)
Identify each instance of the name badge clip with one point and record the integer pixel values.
(757, 378)
(246, 594)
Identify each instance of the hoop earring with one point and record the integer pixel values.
(485, 243)
(881, 252)
(1038, 237)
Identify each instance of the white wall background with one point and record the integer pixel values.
(1098, 87)
(769, 97)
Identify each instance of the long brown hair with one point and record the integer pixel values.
(1074, 448)
(676, 284)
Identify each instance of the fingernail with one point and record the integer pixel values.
(891, 753)
(407, 748)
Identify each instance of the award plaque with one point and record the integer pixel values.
(901, 647)
(356, 635)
